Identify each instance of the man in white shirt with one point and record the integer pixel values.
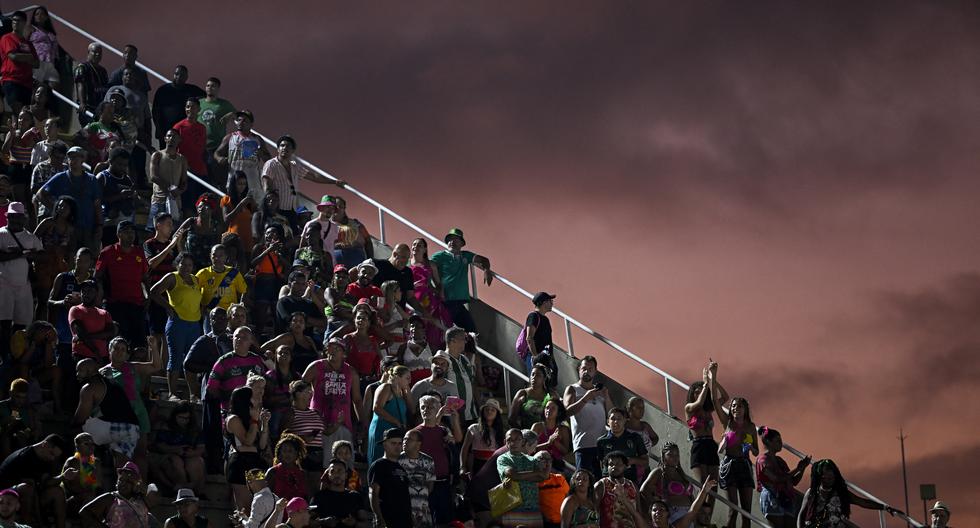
(18, 247)
(263, 500)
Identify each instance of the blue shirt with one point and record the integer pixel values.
(84, 189)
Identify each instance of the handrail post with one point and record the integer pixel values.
(508, 396)
(568, 338)
(381, 226)
(881, 518)
(670, 410)
(473, 281)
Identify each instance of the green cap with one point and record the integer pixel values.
(454, 232)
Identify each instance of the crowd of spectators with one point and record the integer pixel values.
(325, 386)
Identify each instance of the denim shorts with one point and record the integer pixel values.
(770, 505)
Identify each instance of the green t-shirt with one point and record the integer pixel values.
(454, 272)
(210, 117)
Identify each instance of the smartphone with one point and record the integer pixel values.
(598, 385)
(455, 403)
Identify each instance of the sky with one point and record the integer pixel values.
(788, 188)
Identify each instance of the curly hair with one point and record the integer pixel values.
(298, 444)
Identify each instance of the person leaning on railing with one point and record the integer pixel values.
(827, 504)
(453, 265)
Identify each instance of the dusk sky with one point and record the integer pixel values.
(787, 188)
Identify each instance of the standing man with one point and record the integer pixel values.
(388, 485)
(939, 515)
(587, 404)
(438, 442)
(122, 269)
(17, 64)
(282, 173)
(421, 471)
(243, 150)
(130, 55)
(462, 372)
(105, 414)
(438, 381)
(212, 345)
(396, 268)
(328, 231)
(91, 82)
(193, 139)
(231, 370)
(169, 99)
(17, 248)
(454, 266)
(537, 327)
(83, 187)
(215, 115)
(223, 285)
(91, 326)
(168, 175)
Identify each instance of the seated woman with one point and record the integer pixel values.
(286, 478)
(529, 402)
(579, 509)
(668, 483)
(776, 481)
(827, 503)
(182, 444)
(304, 348)
(660, 510)
(554, 435)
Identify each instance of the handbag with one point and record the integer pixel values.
(504, 497)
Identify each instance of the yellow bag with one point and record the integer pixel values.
(505, 497)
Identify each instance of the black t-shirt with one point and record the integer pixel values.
(287, 306)
(22, 465)
(395, 500)
(339, 504)
(387, 272)
(542, 331)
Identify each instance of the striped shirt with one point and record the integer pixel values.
(230, 372)
(305, 421)
(276, 177)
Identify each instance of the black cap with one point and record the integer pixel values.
(541, 297)
(393, 433)
(245, 113)
(124, 225)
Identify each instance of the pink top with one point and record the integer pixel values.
(331, 393)
(45, 44)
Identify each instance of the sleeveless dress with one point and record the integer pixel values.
(366, 362)
(418, 363)
(583, 516)
(125, 513)
(532, 411)
(395, 407)
(331, 393)
(429, 299)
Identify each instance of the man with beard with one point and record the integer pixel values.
(438, 381)
(105, 413)
(335, 386)
(587, 404)
(616, 495)
(123, 508)
(90, 83)
(169, 100)
(122, 269)
(437, 442)
(462, 372)
(421, 471)
(231, 370)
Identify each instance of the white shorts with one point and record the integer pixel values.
(16, 303)
(46, 72)
(120, 437)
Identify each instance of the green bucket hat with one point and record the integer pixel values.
(454, 232)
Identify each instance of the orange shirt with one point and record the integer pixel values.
(240, 224)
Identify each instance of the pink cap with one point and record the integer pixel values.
(16, 208)
(296, 504)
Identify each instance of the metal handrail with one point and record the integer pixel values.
(382, 210)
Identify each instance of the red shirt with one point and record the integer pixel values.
(124, 273)
(92, 319)
(11, 70)
(193, 138)
(370, 292)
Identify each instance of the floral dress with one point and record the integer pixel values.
(430, 301)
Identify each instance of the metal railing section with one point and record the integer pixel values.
(568, 320)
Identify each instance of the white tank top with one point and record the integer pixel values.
(589, 423)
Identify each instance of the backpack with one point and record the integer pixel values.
(521, 345)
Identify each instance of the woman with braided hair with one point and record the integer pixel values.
(668, 483)
(827, 504)
(390, 408)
